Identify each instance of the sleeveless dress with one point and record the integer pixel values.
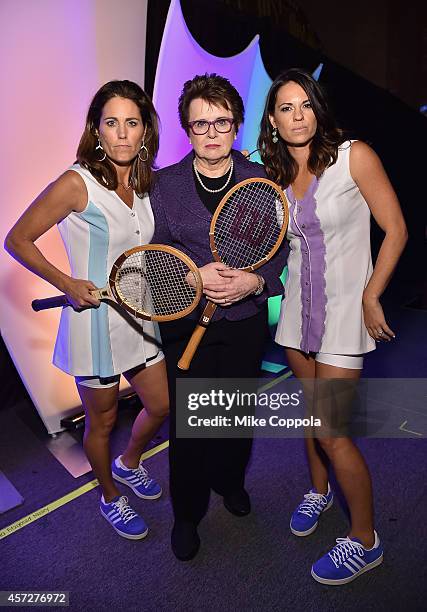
(103, 341)
(329, 265)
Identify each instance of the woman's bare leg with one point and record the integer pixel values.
(152, 388)
(350, 467)
(100, 406)
(304, 368)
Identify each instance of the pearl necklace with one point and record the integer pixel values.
(213, 190)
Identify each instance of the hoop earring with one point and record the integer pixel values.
(100, 147)
(274, 137)
(143, 149)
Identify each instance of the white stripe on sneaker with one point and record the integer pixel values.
(359, 560)
(353, 571)
(354, 563)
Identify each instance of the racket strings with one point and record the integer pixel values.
(156, 283)
(249, 225)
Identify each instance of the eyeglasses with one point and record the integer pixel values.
(200, 127)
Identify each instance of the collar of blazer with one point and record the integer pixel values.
(181, 186)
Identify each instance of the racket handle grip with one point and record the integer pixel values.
(191, 348)
(52, 302)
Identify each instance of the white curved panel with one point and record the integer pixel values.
(55, 55)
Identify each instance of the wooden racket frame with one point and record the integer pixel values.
(112, 281)
(111, 292)
(210, 308)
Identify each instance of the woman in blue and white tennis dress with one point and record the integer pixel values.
(102, 341)
(102, 208)
(331, 315)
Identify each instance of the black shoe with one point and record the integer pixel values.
(185, 540)
(238, 502)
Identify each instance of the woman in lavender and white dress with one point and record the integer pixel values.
(331, 315)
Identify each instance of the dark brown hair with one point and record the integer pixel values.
(280, 166)
(104, 171)
(214, 89)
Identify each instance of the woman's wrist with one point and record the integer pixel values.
(260, 285)
(369, 297)
(64, 282)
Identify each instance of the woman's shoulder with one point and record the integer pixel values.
(175, 169)
(249, 168)
(173, 178)
(355, 148)
(72, 179)
(82, 175)
(78, 170)
(362, 159)
(360, 148)
(167, 171)
(69, 187)
(351, 152)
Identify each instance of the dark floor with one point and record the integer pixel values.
(249, 564)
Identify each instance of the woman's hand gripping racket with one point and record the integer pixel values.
(246, 230)
(153, 282)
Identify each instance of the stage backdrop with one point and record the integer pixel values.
(180, 58)
(52, 72)
(55, 55)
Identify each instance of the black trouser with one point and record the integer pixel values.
(229, 349)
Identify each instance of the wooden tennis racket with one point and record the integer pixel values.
(154, 282)
(246, 230)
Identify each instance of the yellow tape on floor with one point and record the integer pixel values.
(276, 381)
(37, 514)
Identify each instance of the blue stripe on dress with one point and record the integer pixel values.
(102, 358)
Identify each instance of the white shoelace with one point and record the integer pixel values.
(123, 508)
(343, 549)
(142, 475)
(313, 501)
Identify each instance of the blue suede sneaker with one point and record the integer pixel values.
(306, 517)
(123, 519)
(347, 560)
(137, 479)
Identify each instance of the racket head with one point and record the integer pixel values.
(152, 282)
(249, 224)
